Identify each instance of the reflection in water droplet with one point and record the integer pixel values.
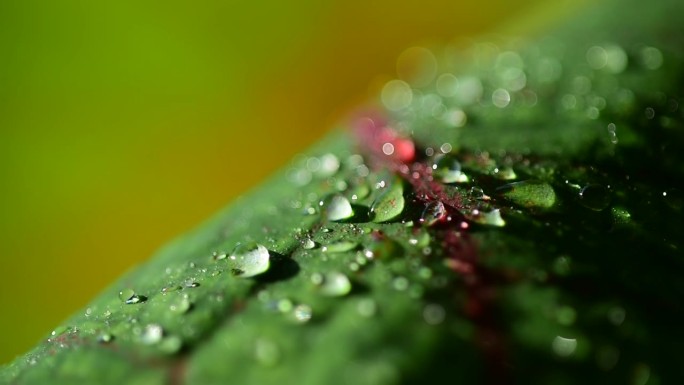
(595, 197)
(152, 334)
(337, 208)
(448, 169)
(302, 313)
(248, 259)
(335, 284)
(564, 347)
(434, 212)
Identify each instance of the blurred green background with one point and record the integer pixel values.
(123, 124)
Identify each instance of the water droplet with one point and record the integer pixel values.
(170, 289)
(621, 216)
(105, 338)
(337, 208)
(129, 297)
(152, 334)
(434, 212)
(651, 58)
(400, 283)
(329, 164)
(455, 117)
(335, 284)
(491, 218)
(180, 305)
(564, 347)
(529, 194)
(448, 169)
(302, 313)
(308, 243)
(191, 284)
(501, 98)
(340, 247)
(249, 259)
(433, 314)
(504, 173)
(595, 197)
(389, 204)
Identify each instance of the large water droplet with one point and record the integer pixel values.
(434, 212)
(564, 347)
(335, 284)
(152, 334)
(249, 259)
(530, 194)
(340, 247)
(448, 169)
(595, 197)
(491, 218)
(302, 313)
(337, 208)
(389, 204)
(180, 305)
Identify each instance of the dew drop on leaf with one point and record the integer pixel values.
(448, 169)
(434, 212)
(152, 334)
(337, 208)
(129, 297)
(249, 259)
(335, 284)
(340, 247)
(389, 204)
(302, 313)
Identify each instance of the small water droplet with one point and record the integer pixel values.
(105, 338)
(434, 212)
(400, 283)
(564, 347)
(303, 313)
(180, 305)
(191, 284)
(366, 307)
(337, 207)
(529, 194)
(504, 173)
(340, 247)
(249, 259)
(170, 289)
(389, 204)
(129, 297)
(152, 334)
(448, 169)
(595, 197)
(335, 284)
(308, 243)
(329, 164)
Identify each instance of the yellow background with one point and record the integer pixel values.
(123, 124)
